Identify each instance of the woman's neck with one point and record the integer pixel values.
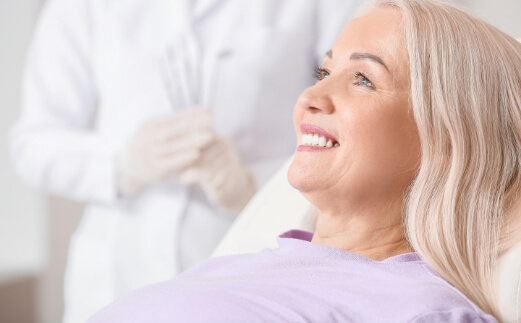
(373, 236)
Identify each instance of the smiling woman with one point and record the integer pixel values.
(361, 98)
(409, 147)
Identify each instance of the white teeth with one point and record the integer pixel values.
(315, 140)
(309, 139)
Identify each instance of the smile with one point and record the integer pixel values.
(314, 139)
(314, 136)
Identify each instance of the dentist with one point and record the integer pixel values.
(164, 117)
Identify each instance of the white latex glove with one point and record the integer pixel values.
(162, 147)
(221, 174)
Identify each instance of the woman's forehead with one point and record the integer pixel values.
(378, 33)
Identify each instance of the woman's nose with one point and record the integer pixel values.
(316, 99)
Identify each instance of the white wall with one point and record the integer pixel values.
(504, 14)
(22, 213)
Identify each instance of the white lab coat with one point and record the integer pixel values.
(96, 71)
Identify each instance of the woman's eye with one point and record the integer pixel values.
(321, 73)
(362, 80)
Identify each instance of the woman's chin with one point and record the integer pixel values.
(299, 177)
(311, 185)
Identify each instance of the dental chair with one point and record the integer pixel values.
(278, 207)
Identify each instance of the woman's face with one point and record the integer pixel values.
(358, 111)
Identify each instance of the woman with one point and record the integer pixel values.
(116, 114)
(413, 168)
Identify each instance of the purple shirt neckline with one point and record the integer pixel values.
(294, 239)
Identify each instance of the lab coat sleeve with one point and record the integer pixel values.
(53, 145)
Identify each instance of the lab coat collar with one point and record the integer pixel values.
(187, 12)
(204, 7)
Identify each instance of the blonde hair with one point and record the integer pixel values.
(465, 78)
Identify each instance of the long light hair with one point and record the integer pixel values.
(465, 78)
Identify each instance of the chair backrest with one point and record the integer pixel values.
(278, 207)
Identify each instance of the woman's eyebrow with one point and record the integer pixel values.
(361, 56)
(374, 58)
(329, 53)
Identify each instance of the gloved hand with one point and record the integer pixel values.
(162, 147)
(221, 174)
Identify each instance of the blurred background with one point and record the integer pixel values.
(34, 227)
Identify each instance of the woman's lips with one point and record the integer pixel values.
(310, 128)
(314, 138)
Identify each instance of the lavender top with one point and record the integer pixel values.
(300, 281)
